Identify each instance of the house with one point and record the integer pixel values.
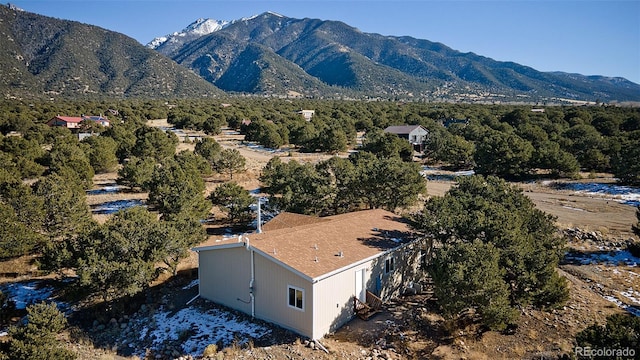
(98, 119)
(448, 122)
(415, 134)
(308, 274)
(72, 122)
(307, 114)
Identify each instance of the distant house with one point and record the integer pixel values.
(448, 122)
(72, 122)
(307, 114)
(311, 275)
(415, 134)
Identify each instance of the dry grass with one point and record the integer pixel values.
(583, 211)
(21, 268)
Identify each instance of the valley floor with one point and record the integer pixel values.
(603, 280)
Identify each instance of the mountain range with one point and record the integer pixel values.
(287, 53)
(47, 57)
(270, 54)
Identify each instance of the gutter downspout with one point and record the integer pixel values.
(253, 299)
(253, 278)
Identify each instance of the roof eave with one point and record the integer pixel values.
(219, 247)
(359, 262)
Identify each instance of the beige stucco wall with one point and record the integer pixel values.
(407, 270)
(333, 296)
(271, 297)
(333, 299)
(224, 277)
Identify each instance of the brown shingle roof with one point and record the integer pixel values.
(290, 220)
(313, 248)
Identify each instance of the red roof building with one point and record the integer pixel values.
(73, 122)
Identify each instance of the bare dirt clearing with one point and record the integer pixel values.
(572, 209)
(584, 211)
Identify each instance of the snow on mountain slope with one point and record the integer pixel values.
(196, 29)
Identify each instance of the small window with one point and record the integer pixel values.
(296, 298)
(388, 265)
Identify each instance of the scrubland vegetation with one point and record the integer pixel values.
(494, 251)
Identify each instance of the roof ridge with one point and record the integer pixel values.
(338, 218)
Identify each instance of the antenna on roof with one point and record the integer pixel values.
(274, 251)
(316, 260)
(315, 246)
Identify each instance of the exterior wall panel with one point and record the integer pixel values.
(271, 297)
(333, 296)
(333, 299)
(224, 277)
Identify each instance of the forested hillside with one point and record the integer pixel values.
(47, 57)
(272, 55)
(283, 54)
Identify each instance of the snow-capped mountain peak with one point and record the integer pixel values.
(257, 15)
(205, 26)
(196, 29)
(14, 7)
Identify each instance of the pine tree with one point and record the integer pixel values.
(523, 239)
(37, 339)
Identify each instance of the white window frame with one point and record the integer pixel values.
(389, 265)
(296, 289)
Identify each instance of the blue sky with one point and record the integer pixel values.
(590, 37)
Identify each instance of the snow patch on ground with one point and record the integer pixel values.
(196, 328)
(112, 207)
(632, 295)
(573, 208)
(106, 189)
(615, 257)
(436, 174)
(260, 148)
(194, 283)
(627, 195)
(633, 310)
(27, 293)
